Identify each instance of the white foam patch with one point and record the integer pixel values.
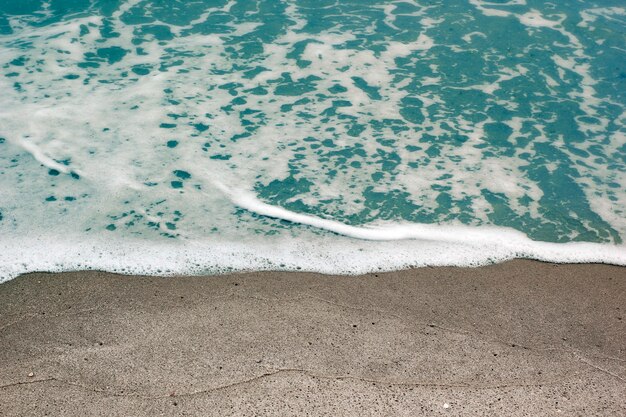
(392, 248)
(591, 15)
(462, 243)
(483, 6)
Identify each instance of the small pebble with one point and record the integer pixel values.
(30, 375)
(446, 405)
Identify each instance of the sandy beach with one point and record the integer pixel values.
(522, 338)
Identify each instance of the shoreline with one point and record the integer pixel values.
(327, 255)
(516, 338)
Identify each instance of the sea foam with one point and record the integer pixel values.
(357, 250)
(145, 137)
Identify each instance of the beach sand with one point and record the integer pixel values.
(519, 338)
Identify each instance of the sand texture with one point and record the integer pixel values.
(522, 338)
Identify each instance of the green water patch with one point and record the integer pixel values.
(112, 54)
(371, 91)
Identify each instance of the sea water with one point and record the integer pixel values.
(339, 136)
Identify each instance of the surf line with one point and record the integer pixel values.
(503, 239)
(456, 233)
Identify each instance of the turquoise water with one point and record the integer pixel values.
(166, 136)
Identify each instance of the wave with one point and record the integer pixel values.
(357, 250)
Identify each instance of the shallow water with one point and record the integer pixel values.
(164, 136)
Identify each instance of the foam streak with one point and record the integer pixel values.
(514, 242)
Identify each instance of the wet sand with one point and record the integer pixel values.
(522, 338)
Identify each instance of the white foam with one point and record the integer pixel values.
(126, 169)
(384, 248)
(511, 240)
(488, 11)
(40, 156)
(591, 15)
(116, 164)
(468, 37)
